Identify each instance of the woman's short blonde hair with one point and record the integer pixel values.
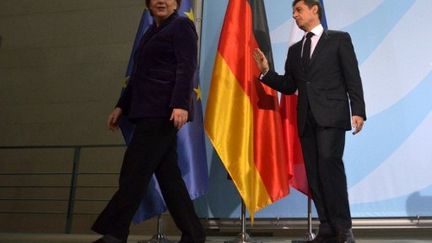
(147, 2)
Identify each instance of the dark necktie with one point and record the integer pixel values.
(307, 49)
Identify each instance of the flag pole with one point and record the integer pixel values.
(310, 235)
(159, 237)
(243, 237)
(198, 9)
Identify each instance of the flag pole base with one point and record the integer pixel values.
(309, 236)
(243, 238)
(159, 237)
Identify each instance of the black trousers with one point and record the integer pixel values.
(323, 149)
(152, 150)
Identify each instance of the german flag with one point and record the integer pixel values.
(242, 116)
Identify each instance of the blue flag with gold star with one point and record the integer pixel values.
(190, 143)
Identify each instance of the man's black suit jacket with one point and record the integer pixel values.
(330, 85)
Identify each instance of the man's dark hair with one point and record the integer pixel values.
(147, 3)
(310, 4)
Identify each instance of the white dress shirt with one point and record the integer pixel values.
(318, 31)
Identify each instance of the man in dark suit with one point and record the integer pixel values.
(324, 69)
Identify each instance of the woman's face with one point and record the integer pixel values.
(162, 9)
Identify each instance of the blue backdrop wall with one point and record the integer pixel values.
(389, 164)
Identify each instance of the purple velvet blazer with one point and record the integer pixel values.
(164, 67)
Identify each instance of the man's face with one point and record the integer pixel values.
(306, 18)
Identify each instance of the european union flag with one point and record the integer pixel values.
(323, 17)
(191, 145)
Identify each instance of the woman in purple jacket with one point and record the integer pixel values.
(157, 99)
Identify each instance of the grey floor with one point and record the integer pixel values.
(83, 238)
